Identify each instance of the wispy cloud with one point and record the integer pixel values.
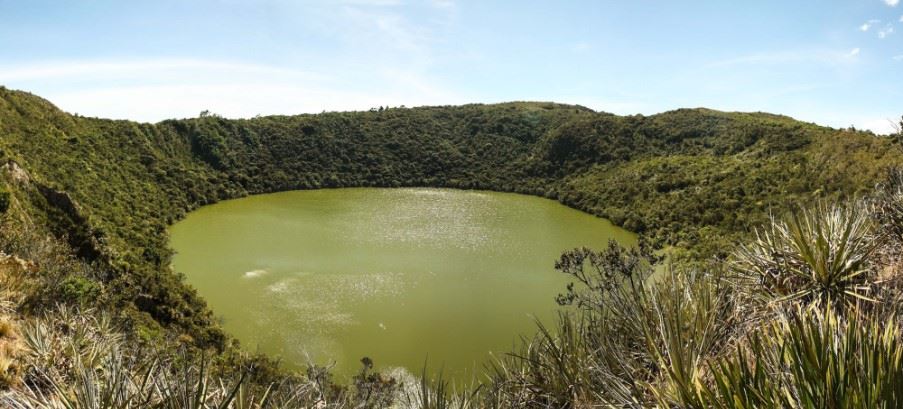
(868, 24)
(157, 89)
(387, 32)
(886, 31)
(112, 69)
(790, 57)
(892, 3)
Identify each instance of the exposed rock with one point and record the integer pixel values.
(15, 172)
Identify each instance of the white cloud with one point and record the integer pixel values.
(111, 70)
(880, 126)
(383, 55)
(153, 90)
(892, 3)
(869, 24)
(854, 52)
(886, 31)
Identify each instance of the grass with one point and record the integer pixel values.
(814, 359)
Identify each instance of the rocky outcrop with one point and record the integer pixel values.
(15, 173)
(68, 221)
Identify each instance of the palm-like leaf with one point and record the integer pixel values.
(816, 255)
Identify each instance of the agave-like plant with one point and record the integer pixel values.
(637, 341)
(817, 256)
(435, 393)
(693, 319)
(814, 359)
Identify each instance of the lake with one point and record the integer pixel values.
(402, 276)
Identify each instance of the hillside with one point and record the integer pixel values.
(691, 178)
(89, 200)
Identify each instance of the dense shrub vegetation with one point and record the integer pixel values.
(92, 313)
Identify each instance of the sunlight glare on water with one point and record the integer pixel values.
(397, 275)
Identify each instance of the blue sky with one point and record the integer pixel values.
(836, 63)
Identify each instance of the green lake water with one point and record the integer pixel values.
(403, 276)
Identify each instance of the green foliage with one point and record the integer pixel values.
(821, 256)
(637, 339)
(694, 339)
(814, 360)
(78, 290)
(94, 198)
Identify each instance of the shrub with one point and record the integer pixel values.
(821, 256)
(639, 338)
(78, 290)
(814, 359)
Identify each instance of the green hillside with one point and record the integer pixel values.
(104, 191)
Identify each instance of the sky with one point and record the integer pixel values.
(836, 63)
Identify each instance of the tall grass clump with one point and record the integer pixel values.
(77, 359)
(636, 338)
(813, 359)
(817, 257)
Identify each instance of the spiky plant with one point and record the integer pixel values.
(819, 256)
(638, 341)
(589, 354)
(693, 319)
(435, 393)
(814, 359)
(193, 387)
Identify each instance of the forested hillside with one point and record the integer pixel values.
(691, 178)
(99, 194)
